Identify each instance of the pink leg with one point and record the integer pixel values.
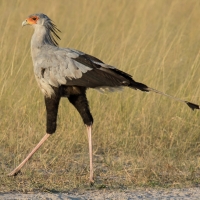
(17, 169)
(89, 131)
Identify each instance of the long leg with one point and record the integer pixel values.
(81, 104)
(17, 169)
(89, 131)
(52, 110)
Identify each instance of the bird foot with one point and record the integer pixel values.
(14, 173)
(91, 182)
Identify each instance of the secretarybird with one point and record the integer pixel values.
(64, 72)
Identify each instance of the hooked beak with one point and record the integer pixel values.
(25, 22)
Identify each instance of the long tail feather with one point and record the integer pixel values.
(145, 88)
(190, 104)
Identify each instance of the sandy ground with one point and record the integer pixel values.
(187, 193)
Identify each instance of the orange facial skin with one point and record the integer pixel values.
(32, 20)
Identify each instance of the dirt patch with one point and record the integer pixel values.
(186, 193)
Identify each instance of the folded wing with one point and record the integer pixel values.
(74, 68)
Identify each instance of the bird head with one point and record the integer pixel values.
(38, 18)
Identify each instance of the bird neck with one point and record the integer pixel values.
(40, 38)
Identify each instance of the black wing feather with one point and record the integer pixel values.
(103, 76)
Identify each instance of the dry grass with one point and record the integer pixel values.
(139, 139)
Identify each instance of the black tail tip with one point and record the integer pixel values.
(142, 87)
(192, 105)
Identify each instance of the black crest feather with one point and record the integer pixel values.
(53, 30)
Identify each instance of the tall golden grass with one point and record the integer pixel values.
(139, 139)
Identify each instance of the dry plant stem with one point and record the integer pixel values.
(89, 131)
(17, 169)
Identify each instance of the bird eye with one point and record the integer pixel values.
(34, 18)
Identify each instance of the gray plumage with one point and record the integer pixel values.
(54, 66)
